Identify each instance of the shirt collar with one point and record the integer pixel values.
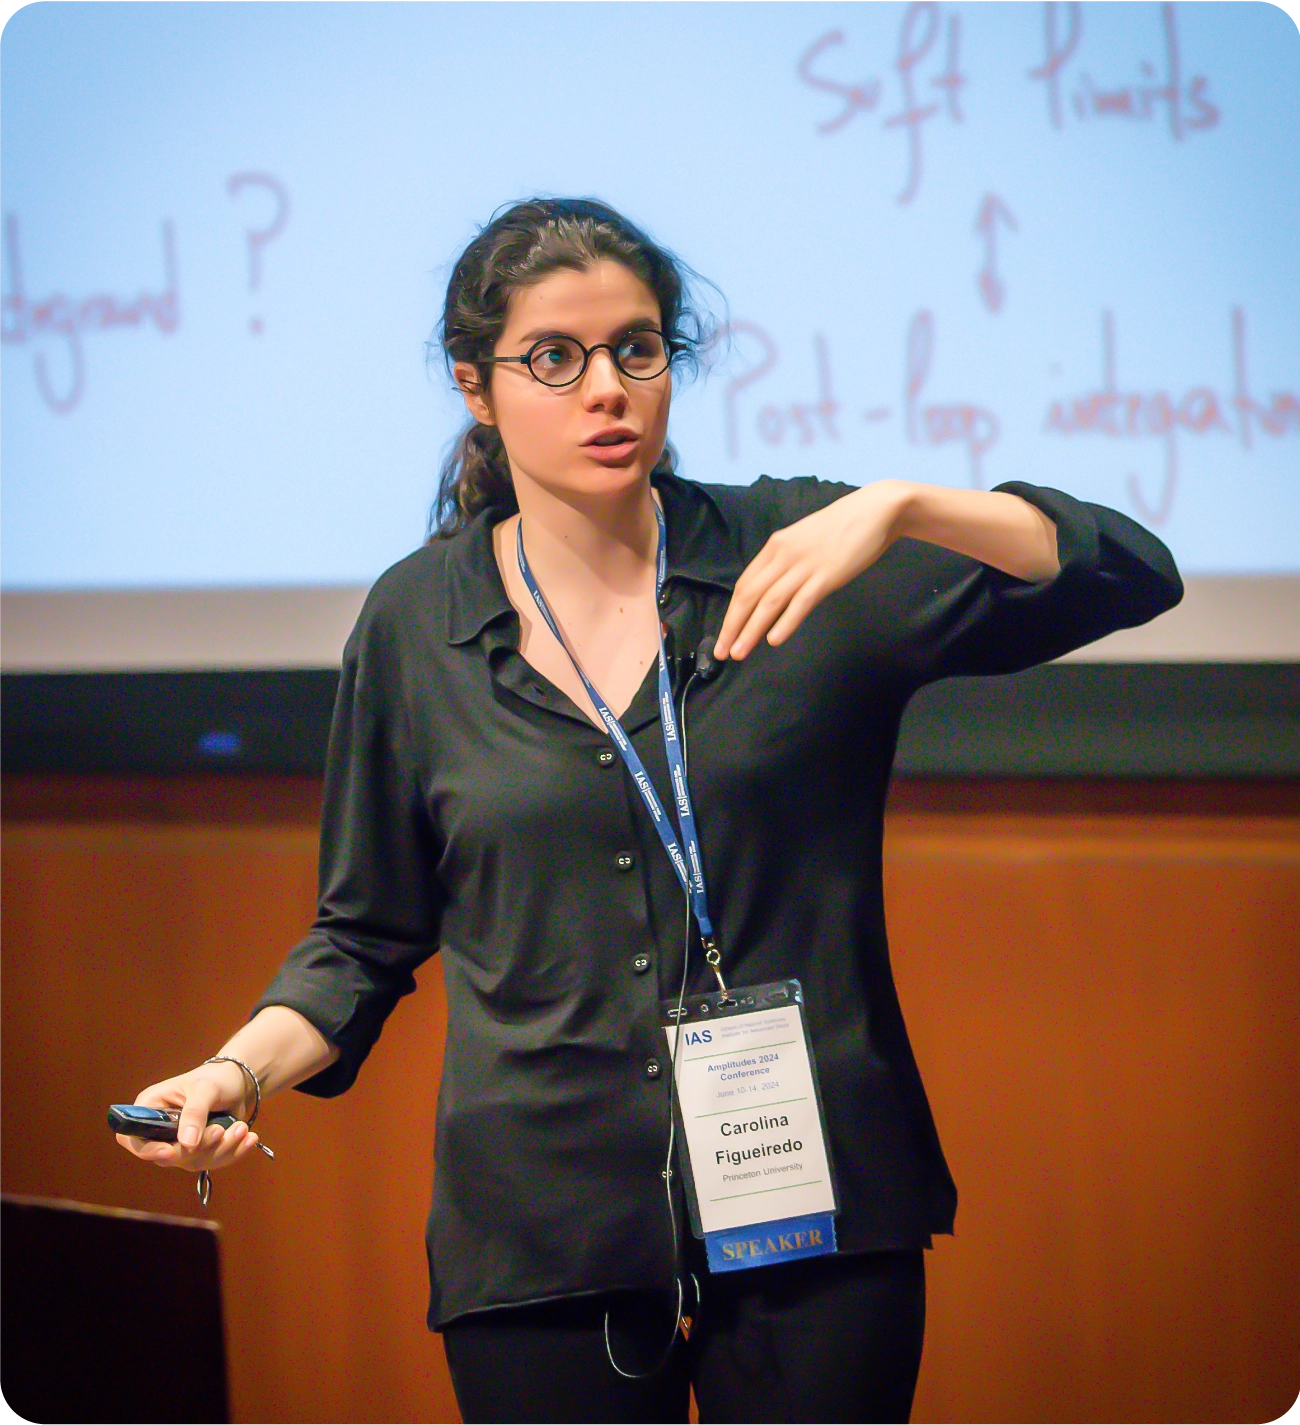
(702, 547)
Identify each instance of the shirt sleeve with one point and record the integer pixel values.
(944, 613)
(1113, 574)
(379, 906)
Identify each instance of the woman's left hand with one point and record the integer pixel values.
(802, 563)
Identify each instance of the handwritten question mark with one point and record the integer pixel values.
(258, 238)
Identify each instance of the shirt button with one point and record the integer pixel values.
(652, 1068)
(641, 964)
(624, 860)
(663, 598)
(605, 757)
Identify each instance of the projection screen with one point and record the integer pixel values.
(951, 243)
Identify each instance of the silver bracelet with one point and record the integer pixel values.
(257, 1088)
(204, 1184)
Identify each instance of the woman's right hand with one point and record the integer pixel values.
(219, 1088)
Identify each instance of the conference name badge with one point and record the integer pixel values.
(757, 1172)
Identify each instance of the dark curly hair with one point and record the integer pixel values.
(521, 245)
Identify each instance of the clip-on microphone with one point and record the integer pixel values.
(706, 665)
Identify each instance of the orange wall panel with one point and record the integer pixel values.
(1105, 1014)
(1100, 981)
(132, 950)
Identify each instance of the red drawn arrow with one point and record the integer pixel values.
(992, 211)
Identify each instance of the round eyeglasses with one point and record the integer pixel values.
(562, 360)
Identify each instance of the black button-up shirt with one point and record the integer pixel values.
(471, 807)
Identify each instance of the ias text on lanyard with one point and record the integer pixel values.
(743, 1072)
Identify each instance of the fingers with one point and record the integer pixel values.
(199, 1144)
(791, 563)
(802, 563)
(142, 1148)
(806, 598)
(774, 604)
(218, 1148)
(768, 608)
(221, 1148)
(201, 1099)
(752, 585)
(172, 1155)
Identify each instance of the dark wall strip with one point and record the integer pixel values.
(265, 721)
(1066, 719)
(1109, 719)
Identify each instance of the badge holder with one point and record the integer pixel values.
(759, 1184)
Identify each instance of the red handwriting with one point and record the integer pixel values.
(747, 377)
(991, 287)
(806, 422)
(1280, 417)
(917, 37)
(913, 46)
(972, 426)
(1160, 415)
(800, 416)
(69, 317)
(856, 97)
(1186, 109)
(258, 238)
(1058, 51)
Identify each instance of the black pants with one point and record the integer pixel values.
(828, 1339)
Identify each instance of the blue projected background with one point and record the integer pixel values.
(960, 244)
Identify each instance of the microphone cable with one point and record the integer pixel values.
(706, 666)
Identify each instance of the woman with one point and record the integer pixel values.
(507, 695)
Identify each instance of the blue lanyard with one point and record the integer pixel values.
(689, 866)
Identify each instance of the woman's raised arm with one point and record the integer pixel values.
(801, 564)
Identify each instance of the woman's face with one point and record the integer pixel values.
(551, 433)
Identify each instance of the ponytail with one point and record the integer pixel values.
(474, 477)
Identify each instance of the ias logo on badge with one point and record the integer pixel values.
(699, 1036)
